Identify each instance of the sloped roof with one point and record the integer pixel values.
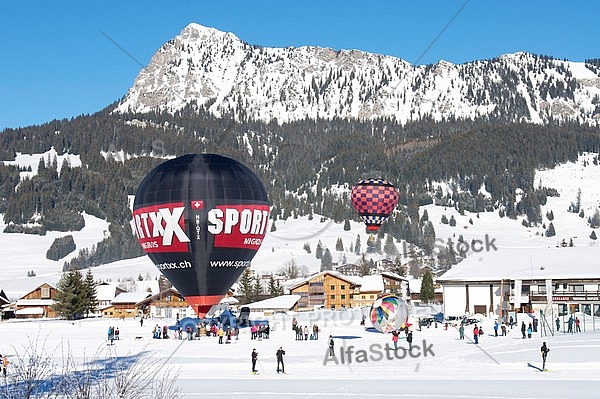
(282, 302)
(350, 279)
(372, 283)
(130, 297)
(528, 264)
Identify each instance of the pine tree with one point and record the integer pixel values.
(245, 284)
(550, 232)
(452, 221)
(70, 301)
(427, 292)
(90, 293)
(357, 245)
(444, 219)
(272, 288)
(346, 225)
(319, 250)
(257, 289)
(389, 248)
(326, 261)
(593, 235)
(339, 245)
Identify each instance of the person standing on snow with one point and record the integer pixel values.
(254, 356)
(279, 354)
(523, 329)
(544, 349)
(461, 331)
(476, 334)
(409, 339)
(331, 344)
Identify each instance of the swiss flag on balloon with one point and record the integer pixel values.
(197, 204)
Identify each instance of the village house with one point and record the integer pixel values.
(168, 303)
(556, 281)
(125, 305)
(329, 289)
(37, 303)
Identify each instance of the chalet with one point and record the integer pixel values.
(556, 280)
(329, 289)
(105, 293)
(167, 303)
(368, 291)
(7, 310)
(125, 305)
(37, 303)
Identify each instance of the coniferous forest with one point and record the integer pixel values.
(298, 162)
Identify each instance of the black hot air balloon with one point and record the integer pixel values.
(201, 219)
(374, 200)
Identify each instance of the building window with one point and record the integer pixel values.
(45, 292)
(333, 287)
(342, 287)
(542, 289)
(343, 296)
(576, 288)
(363, 297)
(333, 297)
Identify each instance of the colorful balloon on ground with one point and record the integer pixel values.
(389, 313)
(201, 219)
(374, 200)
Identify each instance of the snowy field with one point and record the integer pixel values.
(496, 368)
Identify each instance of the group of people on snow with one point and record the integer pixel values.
(303, 333)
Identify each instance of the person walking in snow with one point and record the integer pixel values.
(544, 349)
(496, 328)
(570, 325)
(331, 344)
(577, 327)
(461, 331)
(476, 334)
(523, 329)
(306, 333)
(409, 339)
(529, 330)
(279, 354)
(254, 357)
(557, 324)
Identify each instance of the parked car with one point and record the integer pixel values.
(470, 320)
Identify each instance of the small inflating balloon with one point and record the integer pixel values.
(389, 313)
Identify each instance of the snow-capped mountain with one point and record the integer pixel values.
(216, 69)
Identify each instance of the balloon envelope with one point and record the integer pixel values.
(201, 219)
(374, 200)
(388, 313)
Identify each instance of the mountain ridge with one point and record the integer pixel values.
(215, 69)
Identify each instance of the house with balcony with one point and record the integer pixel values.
(555, 280)
(329, 289)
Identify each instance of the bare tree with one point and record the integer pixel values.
(36, 373)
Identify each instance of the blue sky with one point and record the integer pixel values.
(56, 62)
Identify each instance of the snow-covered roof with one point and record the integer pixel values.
(30, 311)
(130, 297)
(35, 302)
(528, 264)
(350, 279)
(106, 292)
(371, 283)
(283, 302)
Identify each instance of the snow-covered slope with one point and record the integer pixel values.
(209, 67)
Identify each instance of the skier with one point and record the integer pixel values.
(331, 344)
(279, 354)
(544, 349)
(254, 359)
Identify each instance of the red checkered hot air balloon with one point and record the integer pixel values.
(374, 200)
